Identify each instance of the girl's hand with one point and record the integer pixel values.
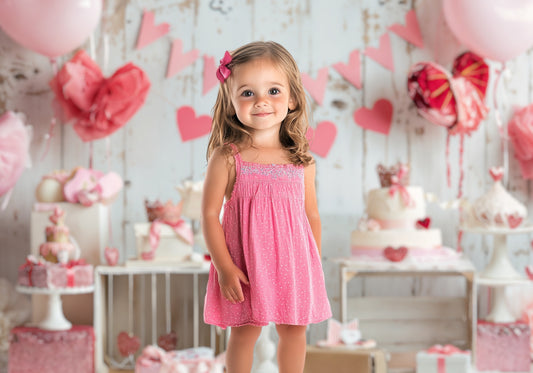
(229, 281)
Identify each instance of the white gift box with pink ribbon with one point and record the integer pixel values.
(443, 359)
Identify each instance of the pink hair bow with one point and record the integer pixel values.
(397, 186)
(223, 71)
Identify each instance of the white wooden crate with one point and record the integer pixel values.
(149, 302)
(404, 325)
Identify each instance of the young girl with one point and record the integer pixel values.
(266, 253)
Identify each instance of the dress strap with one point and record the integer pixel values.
(237, 157)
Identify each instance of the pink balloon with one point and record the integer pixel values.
(51, 27)
(14, 146)
(496, 29)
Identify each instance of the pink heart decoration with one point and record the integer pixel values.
(190, 126)
(514, 221)
(168, 342)
(411, 30)
(149, 32)
(382, 54)
(352, 71)
(395, 254)
(111, 255)
(316, 88)
(377, 119)
(178, 60)
(321, 139)
(210, 79)
(496, 173)
(128, 344)
(423, 224)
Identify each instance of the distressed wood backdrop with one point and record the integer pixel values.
(152, 159)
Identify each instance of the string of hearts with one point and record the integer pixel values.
(377, 119)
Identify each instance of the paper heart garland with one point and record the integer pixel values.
(351, 71)
(411, 30)
(190, 126)
(395, 254)
(179, 60)
(316, 87)
(321, 139)
(98, 106)
(149, 32)
(382, 54)
(455, 100)
(377, 119)
(128, 344)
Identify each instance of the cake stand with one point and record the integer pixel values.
(500, 272)
(55, 319)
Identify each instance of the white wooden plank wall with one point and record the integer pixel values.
(152, 159)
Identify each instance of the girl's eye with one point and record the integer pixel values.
(273, 91)
(247, 94)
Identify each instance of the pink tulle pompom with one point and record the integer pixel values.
(14, 147)
(520, 129)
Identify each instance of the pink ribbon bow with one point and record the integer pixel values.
(443, 351)
(397, 186)
(223, 71)
(180, 227)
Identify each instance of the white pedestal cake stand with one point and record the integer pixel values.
(55, 319)
(500, 272)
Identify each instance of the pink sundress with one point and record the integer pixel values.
(269, 238)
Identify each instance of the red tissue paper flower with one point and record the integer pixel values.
(98, 106)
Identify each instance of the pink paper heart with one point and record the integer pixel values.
(411, 30)
(395, 254)
(377, 119)
(316, 87)
(168, 341)
(149, 32)
(190, 126)
(351, 71)
(179, 60)
(128, 344)
(382, 54)
(210, 78)
(321, 139)
(111, 255)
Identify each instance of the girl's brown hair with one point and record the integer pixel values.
(228, 129)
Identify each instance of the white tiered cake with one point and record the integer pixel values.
(396, 225)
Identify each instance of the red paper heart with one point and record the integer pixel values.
(395, 254)
(423, 224)
(321, 139)
(128, 344)
(377, 119)
(190, 126)
(496, 173)
(168, 342)
(514, 221)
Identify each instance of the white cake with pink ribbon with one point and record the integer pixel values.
(396, 225)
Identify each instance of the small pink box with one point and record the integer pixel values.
(44, 351)
(503, 347)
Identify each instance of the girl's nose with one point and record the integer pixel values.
(261, 101)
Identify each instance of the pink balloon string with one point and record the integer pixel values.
(53, 121)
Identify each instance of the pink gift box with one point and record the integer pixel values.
(503, 347)
(54, 275)
(34, 350)
(193, 360)
(443, 359)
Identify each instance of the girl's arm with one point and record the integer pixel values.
(215, 184)
(311, 206)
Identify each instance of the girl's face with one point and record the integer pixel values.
(260, 94)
